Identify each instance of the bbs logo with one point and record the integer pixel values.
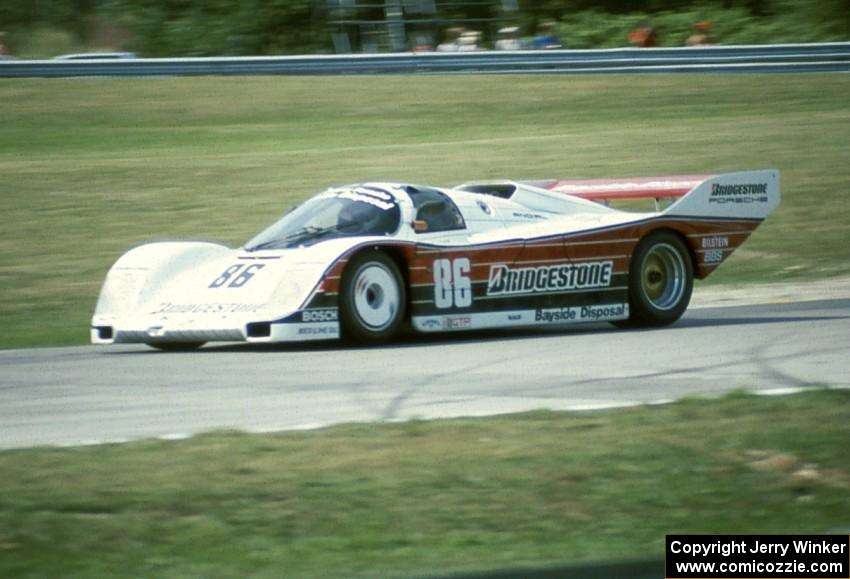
(713, 256)
(329, 315)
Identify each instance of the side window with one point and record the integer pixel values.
(436, 209)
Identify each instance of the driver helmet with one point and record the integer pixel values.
(357, 217)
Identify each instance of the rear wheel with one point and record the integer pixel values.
(372, 298)
(661, 279)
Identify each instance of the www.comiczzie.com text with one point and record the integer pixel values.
(757, 556)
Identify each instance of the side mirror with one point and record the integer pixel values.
(419, 225)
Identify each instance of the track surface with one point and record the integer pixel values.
(83, 395)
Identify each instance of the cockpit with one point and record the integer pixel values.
(345, 212)
(435, 211)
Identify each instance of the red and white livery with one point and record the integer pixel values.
(363, 261)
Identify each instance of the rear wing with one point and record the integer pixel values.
(604, 190)
(745, 195)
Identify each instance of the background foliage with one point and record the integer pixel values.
(45, 28)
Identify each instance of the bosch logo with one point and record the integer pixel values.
(329, 315)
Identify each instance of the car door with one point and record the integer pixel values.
(457, 247)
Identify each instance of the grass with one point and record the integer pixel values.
(92, 167)
(429, 498)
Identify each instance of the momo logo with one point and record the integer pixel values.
(329, 315)
(505, 280)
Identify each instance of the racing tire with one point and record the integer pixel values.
(372, 298)
(661, 279)
(175, 346)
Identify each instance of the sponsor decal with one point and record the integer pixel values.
(211, 308)
(581, 314)
(607, 312)
(556, 315)
(506, 280)
(747, 193)
(320, 315)
(527, 215)
(431, 323)
(714, 247)
(713, 256)
(457, 322)
(318, 331)
(715, 242)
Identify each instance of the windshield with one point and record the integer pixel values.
(337, 213)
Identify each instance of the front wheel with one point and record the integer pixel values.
(661, 279)
(175, 346)
(372, 298)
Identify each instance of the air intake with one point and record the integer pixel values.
(259, 330)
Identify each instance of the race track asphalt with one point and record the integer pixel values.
(84, 395)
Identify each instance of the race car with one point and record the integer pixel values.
(365, 261)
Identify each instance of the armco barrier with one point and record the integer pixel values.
(831, 57)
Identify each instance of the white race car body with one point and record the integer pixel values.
(477, 256)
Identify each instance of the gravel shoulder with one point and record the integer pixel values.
(739, 295)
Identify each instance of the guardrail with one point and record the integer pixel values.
(829, 57)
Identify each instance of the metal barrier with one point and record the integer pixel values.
(829, 57)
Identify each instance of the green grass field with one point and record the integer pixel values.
(92, 167)
(429, 498)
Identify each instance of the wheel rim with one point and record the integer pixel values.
(376, 296)
(663, 276)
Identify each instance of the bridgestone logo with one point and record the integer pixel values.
(505, 280)
(751, 189)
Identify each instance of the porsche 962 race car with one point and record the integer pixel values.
(362, 261)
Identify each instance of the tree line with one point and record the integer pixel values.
(258, 27)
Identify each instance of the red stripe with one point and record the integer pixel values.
(620, 189)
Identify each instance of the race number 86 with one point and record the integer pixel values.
(236, 276)
(452, 286)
